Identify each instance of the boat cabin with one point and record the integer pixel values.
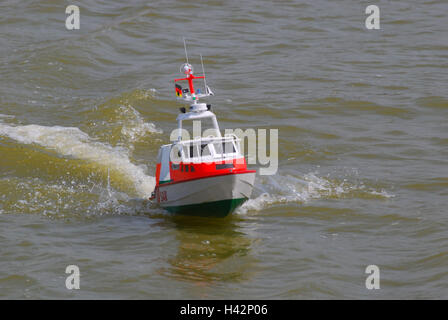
(200, 157)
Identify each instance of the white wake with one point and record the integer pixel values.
(72, 142)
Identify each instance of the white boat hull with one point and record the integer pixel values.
(215, 196)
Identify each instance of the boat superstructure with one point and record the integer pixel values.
(206, 175)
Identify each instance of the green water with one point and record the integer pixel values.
(363, 146)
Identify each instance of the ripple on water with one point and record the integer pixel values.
(434, 102)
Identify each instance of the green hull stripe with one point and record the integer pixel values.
(208, 209)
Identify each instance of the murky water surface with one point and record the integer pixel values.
(363, 149)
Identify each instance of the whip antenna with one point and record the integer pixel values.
(203, 72)
(185, 46)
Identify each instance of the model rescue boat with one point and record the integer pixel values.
(204, 176)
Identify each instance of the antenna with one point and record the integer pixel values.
(185, 46)
(203, 72)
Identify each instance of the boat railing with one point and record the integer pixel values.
(210, 148)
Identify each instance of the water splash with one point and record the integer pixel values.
(133, 126)
(121, 123)
(72, 142)
(280, 189)
(65, 199)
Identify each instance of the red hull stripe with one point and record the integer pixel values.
(210, 176)
(187, 171)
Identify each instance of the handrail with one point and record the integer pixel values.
(231, 137)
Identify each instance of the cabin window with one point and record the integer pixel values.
(191, 168)
(218, 147)
(186, 168)
(194, 151)
(228, 147)
(175, 166)
(205, 150)
(185, 152)
(224, 147)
